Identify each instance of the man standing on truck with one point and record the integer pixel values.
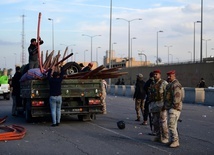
(16, 90)
(55, 95)
(33, 53)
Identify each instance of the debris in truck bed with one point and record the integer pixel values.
(99, 73)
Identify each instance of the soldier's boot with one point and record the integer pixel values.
(157, 139)
(174, 144)
(138, 119)
(165, 140)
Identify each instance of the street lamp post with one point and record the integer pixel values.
(190, 55)
(52, 32)
(206, 40)
(194, 40)
(91, 41)
(168, 51)
(157, 45)
(129, 21)
(97, 55)
(172, 58)
(84, 55)
(201, 48)
(145, 57)
(75, 56)
(5, 62)
(131, 49)
(15, 59)
(111, 54)
(177, 59)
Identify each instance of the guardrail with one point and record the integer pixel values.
(203, 96)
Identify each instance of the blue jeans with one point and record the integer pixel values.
(55, 105)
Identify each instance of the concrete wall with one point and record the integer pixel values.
(188, 74)
(191, 95)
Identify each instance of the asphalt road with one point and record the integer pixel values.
(102, 137)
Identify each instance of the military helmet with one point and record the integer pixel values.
(121, 124)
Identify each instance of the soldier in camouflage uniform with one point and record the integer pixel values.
(173, 106)
(156, 105)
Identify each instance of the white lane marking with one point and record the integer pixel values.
(109, 130)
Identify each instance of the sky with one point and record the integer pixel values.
(72, 18)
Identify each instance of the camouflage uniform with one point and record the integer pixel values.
(173, 106)
(157, 101)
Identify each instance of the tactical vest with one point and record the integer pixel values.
(155, 92)
(169, 94)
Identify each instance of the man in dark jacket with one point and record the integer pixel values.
(33, 53)
(16, 90)
(55, 95)
(139, 96)
(147, 90)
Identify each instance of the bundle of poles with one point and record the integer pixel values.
(99, 73)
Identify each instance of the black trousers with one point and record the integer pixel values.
(146, 111)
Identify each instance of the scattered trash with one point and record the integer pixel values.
(204, 115)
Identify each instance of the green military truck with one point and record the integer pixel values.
(81, 97)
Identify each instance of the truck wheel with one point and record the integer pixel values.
(71, 68)
(7, 97)
(28, 116)
(80, 117)
(93, 117)
(84, 117)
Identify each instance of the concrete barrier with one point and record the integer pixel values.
(129, 91)
(190, 95)
(199, 95)
(121, 90)
(209, 97)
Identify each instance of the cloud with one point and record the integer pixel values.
(10, 2)
(8, 43)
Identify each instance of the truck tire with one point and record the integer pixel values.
(84, 117)
(71, 68)
(28, 116)
(7, 97)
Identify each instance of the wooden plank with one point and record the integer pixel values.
(93, 72)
